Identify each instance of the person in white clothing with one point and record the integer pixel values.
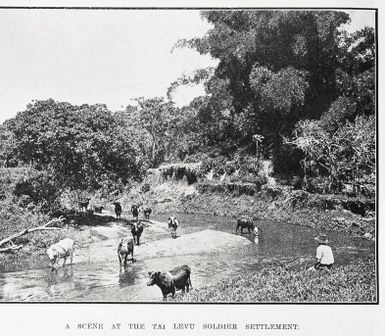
(324, 254)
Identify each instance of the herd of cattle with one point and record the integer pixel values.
(175, 279)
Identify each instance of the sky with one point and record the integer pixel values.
(110, 57)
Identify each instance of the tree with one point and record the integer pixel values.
(275, 68)
(79, 145)
(347, 155)
(155, 116)
(8, 149)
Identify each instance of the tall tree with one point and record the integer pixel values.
(275, 68)
(78, 144)
(156, 117)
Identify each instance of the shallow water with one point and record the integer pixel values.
(96, 276)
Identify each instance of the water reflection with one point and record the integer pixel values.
(127, 276)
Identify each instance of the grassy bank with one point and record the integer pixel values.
(294, 207)
(261, 208)
(350, 283)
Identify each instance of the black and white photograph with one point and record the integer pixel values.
(188, 155)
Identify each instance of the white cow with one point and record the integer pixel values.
(62, 249)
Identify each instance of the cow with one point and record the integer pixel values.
(62, 249)
(137, 230)
(118, 210)
(245, 222)
(135, 211)
(173, 224)
(147, 212)
(98, 209)
(171, 281)
(124, 249)
(83, 204)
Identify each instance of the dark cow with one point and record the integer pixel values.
(147, 212)
(245, 223)
(171, 281)
(124, 249)
(98, 209)
(173, 224)
(135, 211)
(137, 230)
(118, 209)
(83, 204)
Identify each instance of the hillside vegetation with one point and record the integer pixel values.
(287, 123)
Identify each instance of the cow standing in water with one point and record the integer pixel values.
(124, 250)
(171, 281)
(118, 210)
(61, 250)
(137, 230)
(173, 224)
(135, 211)
(245, 223)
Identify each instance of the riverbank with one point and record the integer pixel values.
(352, 283)
(321, 212)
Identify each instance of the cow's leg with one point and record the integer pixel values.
(173, 291)
(236, 230)
(249, 229)
(125, 259)
(241, 229)
(138, 239)
(189, 281)
(64, 261)
(71, 255)
(120, 259)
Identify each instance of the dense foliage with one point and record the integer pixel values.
(277, 69)
(290, 86)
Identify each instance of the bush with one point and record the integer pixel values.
(14, 217)
(217, 165)
(317, 185)
(146, 187)
(40, 187)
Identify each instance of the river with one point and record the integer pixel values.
(207, 244)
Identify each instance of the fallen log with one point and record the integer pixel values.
(14, 247)
(11, 248)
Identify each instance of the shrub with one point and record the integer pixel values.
(40, 187)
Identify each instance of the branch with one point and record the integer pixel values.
(11, 248)
(23, 232)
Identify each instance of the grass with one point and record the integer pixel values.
(351, 283)
(222, 204)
